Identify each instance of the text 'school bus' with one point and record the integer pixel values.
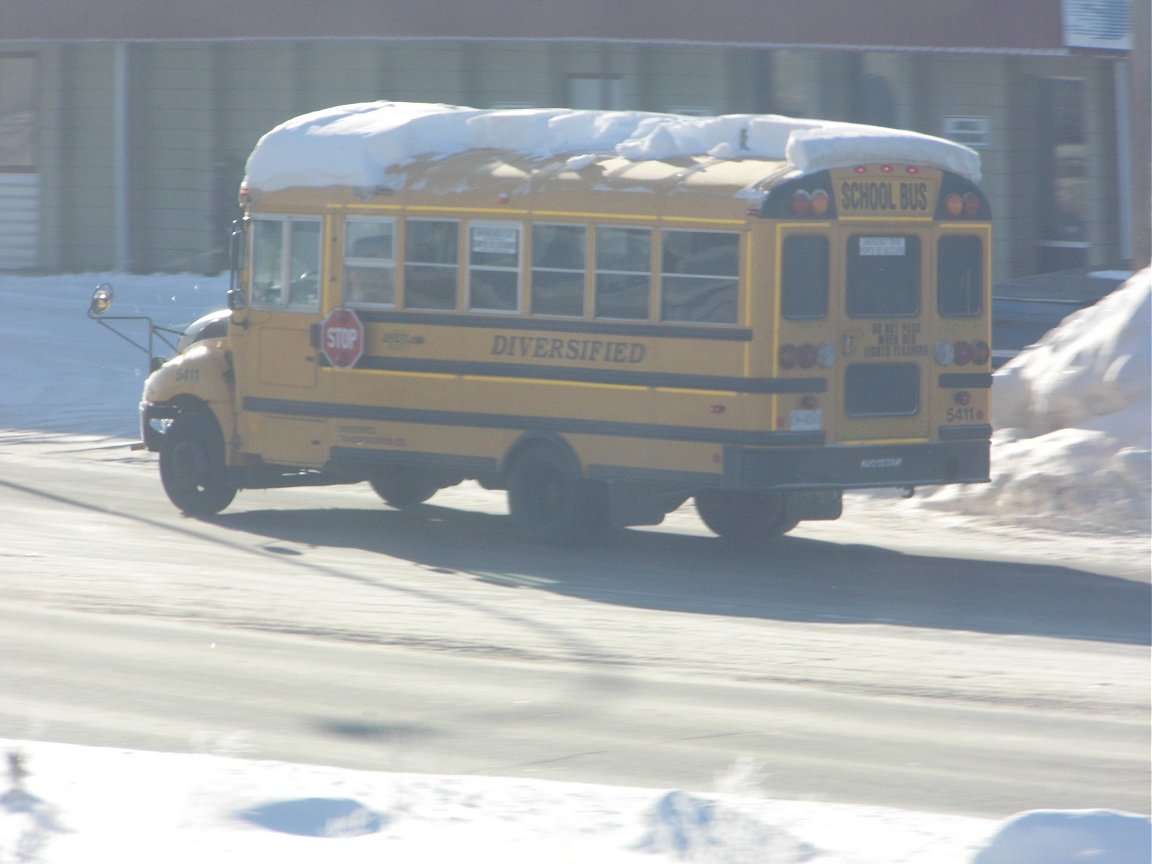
(605, 314)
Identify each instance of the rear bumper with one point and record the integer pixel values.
(859, 466)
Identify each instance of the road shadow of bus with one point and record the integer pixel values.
(794, 579)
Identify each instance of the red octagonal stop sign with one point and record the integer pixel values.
(342, 338)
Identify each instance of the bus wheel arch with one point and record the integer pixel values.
(193, 470)
(548, 498)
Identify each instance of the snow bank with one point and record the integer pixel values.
(67, 804)
(360, 145)
(1076, 837)
(1072, 413)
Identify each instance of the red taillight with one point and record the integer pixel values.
(963, 353)
(962, 397)
(805, 356)
(886, 169)
(912, 169)
(972, 204)
(981, 353)
(809, 402)
(801, 203)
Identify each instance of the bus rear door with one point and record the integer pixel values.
(879, 387)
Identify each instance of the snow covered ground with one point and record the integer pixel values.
(1071, 452)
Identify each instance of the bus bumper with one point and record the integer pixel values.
(153, 417)
(858, 466)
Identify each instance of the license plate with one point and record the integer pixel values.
(806, 421)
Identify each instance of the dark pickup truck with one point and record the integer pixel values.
(1024, 309)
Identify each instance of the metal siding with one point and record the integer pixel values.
(989, 24)
(19, 221)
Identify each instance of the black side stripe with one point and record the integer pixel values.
(720, 332)
(301, 408)
(732, 383)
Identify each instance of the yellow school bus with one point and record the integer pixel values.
(603, 334)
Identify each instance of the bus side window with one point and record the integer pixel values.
(304, 264)
(558, 270)
(286, 263)
(267, 262)
(623, 272)
(960, 276)
(430, 264)
(494, 266)
(804, 277)
(369, 264)
(699, 276)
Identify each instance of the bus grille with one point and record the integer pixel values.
(882, 390)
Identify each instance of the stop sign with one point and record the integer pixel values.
(342, 338)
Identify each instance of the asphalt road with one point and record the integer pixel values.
(890, 658)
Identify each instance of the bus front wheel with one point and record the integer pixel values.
(745, 517)
(404, 487)
(549, 501)
(192, 468)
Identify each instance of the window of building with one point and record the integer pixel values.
(1063, 168)
(494, 266)
(699, 276)
(369, 262)
(558, 270)
(623, 272)
(430, 263)
(17, 113)
(286, 263)
(974, 132)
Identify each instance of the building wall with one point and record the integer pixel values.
(76, 156)
(195, 109)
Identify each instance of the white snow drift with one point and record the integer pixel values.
(366, 145)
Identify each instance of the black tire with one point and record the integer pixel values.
(192, 466)
(404, 487)
(748, 518)
(550, 502)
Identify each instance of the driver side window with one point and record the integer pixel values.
(286, 263)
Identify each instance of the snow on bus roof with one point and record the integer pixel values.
(357, 145)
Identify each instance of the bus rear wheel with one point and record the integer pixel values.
(749, 518)
(192, 468)
(549, 501)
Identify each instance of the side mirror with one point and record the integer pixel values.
(101, 299)
(236, 299)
